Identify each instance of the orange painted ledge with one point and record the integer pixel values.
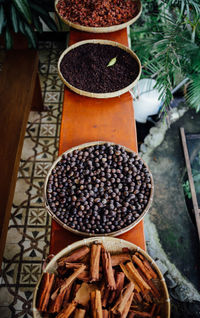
(87, 119)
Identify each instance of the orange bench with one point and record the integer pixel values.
(87, 119)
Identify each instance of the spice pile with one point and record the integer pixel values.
(98, 13)
(93, 283)
(99, 189)
(86, 68)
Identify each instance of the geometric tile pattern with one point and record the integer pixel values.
(28, 235)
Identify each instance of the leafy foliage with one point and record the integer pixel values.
(25, 16)
(168, 44)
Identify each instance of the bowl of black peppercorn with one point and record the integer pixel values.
(98, 188)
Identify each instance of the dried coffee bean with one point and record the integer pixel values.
(102, 199)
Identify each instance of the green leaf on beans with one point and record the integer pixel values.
(112, 62)
(23, 7)
(14, 19)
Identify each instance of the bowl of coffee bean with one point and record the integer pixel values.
(98, 188)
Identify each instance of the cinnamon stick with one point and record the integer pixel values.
(130, 277)
(154, 290)
(94, 262)
(117, 259)
(96, 305)
(123, 299)
(105, 313)
(66, 312)
(127, 307)
(135, 277)
(84, 276)
(74, 265)
(75, 256)
(147, 265)
(46, 287)
(79, 313)
(66, 299)
(119, 286)
(68, 281)
(142, 267)
(108, 270)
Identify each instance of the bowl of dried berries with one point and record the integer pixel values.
(98, 188)
(98, 16)
(101, 277)
(99, 68)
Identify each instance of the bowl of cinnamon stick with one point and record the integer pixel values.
(99, 278)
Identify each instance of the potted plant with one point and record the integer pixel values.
(25, 17)
(167, 40)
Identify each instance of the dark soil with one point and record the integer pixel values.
(85, 67)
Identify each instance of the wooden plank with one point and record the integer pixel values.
(17, 78)
(87, 119)
(191, 181)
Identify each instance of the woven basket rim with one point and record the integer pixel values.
(115, 233)
(117, 244)
(108, 29)
(100, 95)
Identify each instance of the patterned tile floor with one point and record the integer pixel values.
(28, 236)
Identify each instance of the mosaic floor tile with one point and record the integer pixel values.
(48, 130)
(21, 192)
(52, 97)
(25, 169)
(45, 149)
(34, 250)
(11, 272)
(28, 152)
(14, 235)
(5, 312)
(41, 169)
(5, 296)
(32, 130)
(37, 216)
(12, 252)
(30, 273)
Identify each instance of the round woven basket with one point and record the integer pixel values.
(112, 245)
(108, 29)
(115, 233)
(100, 95)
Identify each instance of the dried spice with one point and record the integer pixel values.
(98, 13)
(114, 295)
(99, 189)
(86, 68)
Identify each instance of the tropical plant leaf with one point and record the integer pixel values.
(2, 18)
(37, 23)
(14, 18)
(23, 7)
(8, 39)
(49, 22)
(38, 9)
(112, 62)
(31, 35)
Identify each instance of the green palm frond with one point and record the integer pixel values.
(193, 92)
